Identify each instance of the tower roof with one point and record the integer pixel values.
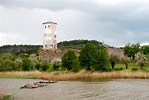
(49, 22)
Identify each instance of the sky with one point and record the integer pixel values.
(114, 22)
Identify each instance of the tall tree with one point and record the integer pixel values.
(101, 59)
(131, 49)
(70, 61)
(87, 54)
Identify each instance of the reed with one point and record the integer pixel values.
(88, 76)
(80, 76)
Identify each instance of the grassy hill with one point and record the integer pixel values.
(17, 49)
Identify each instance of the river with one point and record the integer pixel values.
(121, 89)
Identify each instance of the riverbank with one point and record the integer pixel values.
(80, 76)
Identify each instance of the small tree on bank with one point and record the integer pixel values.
(125, 61)
(113, 60)
(141, 59)
(131, 49)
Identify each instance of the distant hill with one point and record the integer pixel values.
(77, 44)
(17, 49)
(74, 44)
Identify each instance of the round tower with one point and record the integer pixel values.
(49, 38)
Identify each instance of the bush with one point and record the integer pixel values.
(26, 64)
(56, 66)
(135, 69)
(38, 66)
(118, 69)
(44, 67)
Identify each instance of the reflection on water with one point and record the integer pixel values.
(124, 89)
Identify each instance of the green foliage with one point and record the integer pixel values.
(69, 60)
(87, 55)
(7, 62)
(17, 49)
(131, 49)
(101, 59)
(125, 61)
(141, 59)
(38, 66)
(76, 44)
(44, 67)
(23, 55)
(26, 64)
(145, 49)
(118, 69)
(56, 66)
(134, 69)
(7, 97)
(113, 60)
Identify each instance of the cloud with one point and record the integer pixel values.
(115, 22)
(145, 43)
(6, 38)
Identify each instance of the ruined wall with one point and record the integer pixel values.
(52, 54)
(57, 54)
(116, 51)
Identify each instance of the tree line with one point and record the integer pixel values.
(30, 49)
(92, 58)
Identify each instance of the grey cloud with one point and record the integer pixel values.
(81, 19)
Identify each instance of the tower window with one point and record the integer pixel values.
(44, 34)
(45, 26)
(48, 25)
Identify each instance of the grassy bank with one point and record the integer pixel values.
(80, 76)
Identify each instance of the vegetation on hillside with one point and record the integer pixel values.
(18, 49)
(76, 44)
(32, 49)
(92, 58)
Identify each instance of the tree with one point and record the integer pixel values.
(26, 64)
(101, 59)
(87, 56)
(113, 60)
(131, 49)
(145, 49)
(69, 60)
(125, 61)
(141, 59)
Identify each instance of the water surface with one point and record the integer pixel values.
(122, 89)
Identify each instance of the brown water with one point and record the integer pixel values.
(122, 89)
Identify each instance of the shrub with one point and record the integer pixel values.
(26, 64)
(56, 66)
(118, 69)
(38, 66)
(44, 67)
(135, 69)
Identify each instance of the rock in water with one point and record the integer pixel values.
(36, 84)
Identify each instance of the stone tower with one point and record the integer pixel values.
(49, 38)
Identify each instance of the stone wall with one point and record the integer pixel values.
(52, 54)
(116, 51)
(57, 54)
